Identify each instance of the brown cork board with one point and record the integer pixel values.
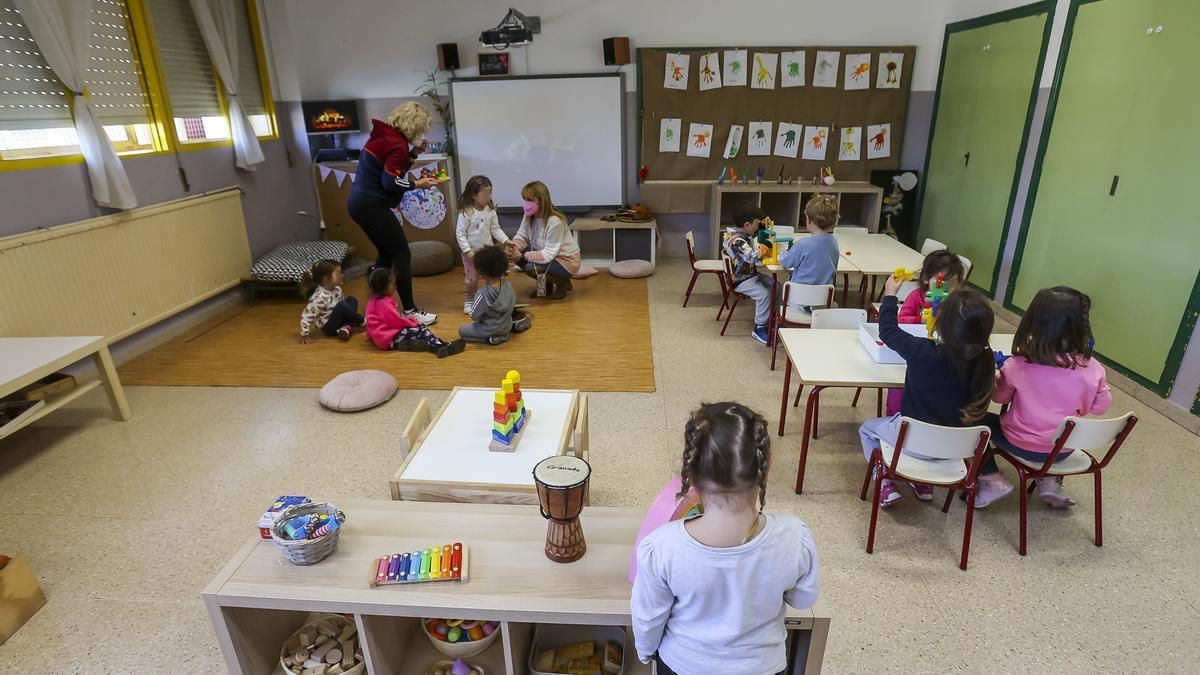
(808, 105)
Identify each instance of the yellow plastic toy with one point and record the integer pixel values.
(902, 274)
(927, 317)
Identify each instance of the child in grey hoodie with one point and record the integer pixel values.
(494, 310)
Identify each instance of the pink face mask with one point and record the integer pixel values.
(531, 208)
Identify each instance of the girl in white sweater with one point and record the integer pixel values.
(477, 227)
(544, 248)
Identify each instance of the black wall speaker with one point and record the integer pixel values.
(616, 51)
(448, 56)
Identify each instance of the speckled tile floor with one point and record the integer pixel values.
(126, 522)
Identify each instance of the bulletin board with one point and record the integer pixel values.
(807, 105)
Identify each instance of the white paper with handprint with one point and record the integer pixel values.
(879, 141)
(762, 70)
(788, 140)
(890, 67)
(734, 145)
(825, 72)
(791, 69)
(668, 134)
(858, 71)
(733, 74)
(816, 141)
(850, 148)
(676, 74)
(699, 140)
(758, 142)
(709, 74)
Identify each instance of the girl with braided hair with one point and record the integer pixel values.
(1050, 376)
(710, 592)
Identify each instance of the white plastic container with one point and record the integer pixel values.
(553, 636)
(868, 336)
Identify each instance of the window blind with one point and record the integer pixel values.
(114, 77)
(250, 84)
(191, 83)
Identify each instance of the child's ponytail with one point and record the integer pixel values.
(726, 452)
(964, 322)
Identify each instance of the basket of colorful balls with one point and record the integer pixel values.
(460, 638)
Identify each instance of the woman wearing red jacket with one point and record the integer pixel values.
(381, 181)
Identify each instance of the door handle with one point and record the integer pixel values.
(1112, 189)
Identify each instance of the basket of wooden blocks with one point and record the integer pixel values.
(308, 533)
(328, 645)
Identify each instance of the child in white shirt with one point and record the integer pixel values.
(710, 592)
(328, 310)
(477, 227)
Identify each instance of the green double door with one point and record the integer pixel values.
(988, 80)
(1114, 211)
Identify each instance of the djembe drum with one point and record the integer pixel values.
(562, 487)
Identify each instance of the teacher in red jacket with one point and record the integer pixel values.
(381, 181)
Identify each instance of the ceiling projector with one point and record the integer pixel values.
(514, 30)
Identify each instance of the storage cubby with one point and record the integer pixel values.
(859, 203)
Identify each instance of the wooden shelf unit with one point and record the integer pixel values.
(859, 203)
(259, 599)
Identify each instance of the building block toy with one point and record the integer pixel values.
(902, 274)
(509, 414)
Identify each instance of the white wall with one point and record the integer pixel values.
(959, 10)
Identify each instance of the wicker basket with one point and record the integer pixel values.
(307, 551)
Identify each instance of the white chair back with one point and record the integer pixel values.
(850, 229)
(1090, 434)
(905, 289)
(967, 265)
(843, 318)
(800, 295)
(932, 245)
(932, 440)
(691, 245)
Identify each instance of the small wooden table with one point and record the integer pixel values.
(259, 599)
(25, 360)
(592, 224)
(834, 358)
(450, 461)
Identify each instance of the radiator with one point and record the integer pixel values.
(117, 274)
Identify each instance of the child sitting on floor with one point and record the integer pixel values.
(477, 227)
(1050, 376)
(494, 309)
(710, 591)
(389, 329)
(327, 310)
(543, 247)
(742, 252)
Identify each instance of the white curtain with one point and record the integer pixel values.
(218, 26)
(62, 31)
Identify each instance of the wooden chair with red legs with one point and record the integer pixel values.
(790, 314)
(699, 267)
(1086, 436)
(956, 455)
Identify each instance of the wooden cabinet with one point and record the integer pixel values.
(858, 203)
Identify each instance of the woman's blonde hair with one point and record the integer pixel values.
(538, 193)
(412, 120)
(822, 210)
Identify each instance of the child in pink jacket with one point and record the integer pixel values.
(388, 328)
(1050, 376)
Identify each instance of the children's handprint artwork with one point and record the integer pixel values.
(734, 144)
(858, 71)
(762, 70)
(699, 142)
(676, 73)
(888, 76)
(825, 73)
(787, 141)
(850, 148)
(668, 135)
(734, 72)
(759, 141)
(879, 141)
(791, 69)
(816, 140)
(710, 71)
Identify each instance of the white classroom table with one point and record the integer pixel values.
(25, 360)
(451, 460)
(876, 255)
(835, 358)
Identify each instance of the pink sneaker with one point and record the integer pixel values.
(888, 494)
(991, 489)
(923, 492)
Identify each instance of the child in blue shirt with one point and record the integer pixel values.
(742, 251)
(814, 260)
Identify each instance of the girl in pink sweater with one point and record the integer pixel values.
(1050, 376)
(388, 328)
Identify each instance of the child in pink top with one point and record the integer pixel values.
(1050, 376)
(390, 329)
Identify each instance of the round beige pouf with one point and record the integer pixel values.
(430, 258)
(357, 390)
(631, 269)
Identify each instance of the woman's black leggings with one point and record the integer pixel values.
(386, 232)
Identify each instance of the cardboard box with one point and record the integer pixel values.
(20, 596)
(281, 503)
(868, 336)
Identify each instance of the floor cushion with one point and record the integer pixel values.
(357, 390)
(631, 269)
(294, 261)
(585, 271)
(430, 258)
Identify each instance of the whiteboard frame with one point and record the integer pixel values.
(561, 76)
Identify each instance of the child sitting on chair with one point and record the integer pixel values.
(494, 309)
(814, 259)
(389, 329)
(327, 310)
(742, 252)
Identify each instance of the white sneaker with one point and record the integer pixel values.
(427, 318)
(991, 490)
(467, 308)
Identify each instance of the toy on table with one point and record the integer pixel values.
(902, 274)
(309, 526)
(448, 562)
(933, 298)
(668, 506)
(509, 414)
(768, 247)
(456, 667)
(581, 657)
(721, 178)
(440, 175)
(272, 513)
